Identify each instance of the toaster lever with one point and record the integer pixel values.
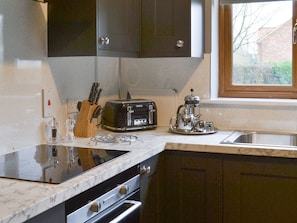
(151, 114)
(129, 112)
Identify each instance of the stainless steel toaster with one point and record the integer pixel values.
(133, 114)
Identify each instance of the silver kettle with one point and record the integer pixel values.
(187, 115)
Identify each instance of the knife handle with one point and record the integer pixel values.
(98, 96)
(93, 92)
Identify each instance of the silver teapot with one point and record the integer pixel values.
(188, 115)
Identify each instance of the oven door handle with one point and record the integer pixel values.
(135, 205)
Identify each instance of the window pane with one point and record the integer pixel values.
(262, 43)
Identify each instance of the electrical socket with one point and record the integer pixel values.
(47, 103)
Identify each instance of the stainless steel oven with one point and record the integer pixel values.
(115, 201)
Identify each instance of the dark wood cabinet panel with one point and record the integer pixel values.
(71, 28)
(193, 187)
(203, 187)
(119, 21)
(76, 28)
(152, 190)
(126, 28)
(161, 27)
(172, 28)
(260, 189)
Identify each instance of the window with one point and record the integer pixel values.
(256, 56)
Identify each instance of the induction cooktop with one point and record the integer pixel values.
(53, 163)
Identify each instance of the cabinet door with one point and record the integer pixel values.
(259, 189)
(193, 187)
(152, 190)
(118, 27)
(163, 23)
(71, 28)
(76, 28)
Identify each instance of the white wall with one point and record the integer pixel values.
(25, 70)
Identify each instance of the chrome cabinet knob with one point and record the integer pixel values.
(103, 40)
(145, 170)
(95, 207)
(180, 43)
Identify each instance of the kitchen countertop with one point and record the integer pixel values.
(22, 200)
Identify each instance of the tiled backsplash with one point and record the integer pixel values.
(246, 114)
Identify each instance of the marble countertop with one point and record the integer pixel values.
(22, 200)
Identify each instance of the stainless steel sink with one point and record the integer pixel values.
(262, 138)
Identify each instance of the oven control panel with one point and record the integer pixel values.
(102, 205)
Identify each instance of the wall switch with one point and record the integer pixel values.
(47, 103)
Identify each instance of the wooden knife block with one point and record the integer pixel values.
(85, 127)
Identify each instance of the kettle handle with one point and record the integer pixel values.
(178, 109)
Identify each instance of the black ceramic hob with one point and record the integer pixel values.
(53, 163)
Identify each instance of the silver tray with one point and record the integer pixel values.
(186, 132)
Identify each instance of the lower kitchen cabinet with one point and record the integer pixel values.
(152, 190)
(212, 188)
(259, 189)
(193, 187)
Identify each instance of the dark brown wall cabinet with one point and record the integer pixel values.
(126, 28)
(172, 28)
(93, 27)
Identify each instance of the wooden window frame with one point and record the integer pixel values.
(226, 89)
